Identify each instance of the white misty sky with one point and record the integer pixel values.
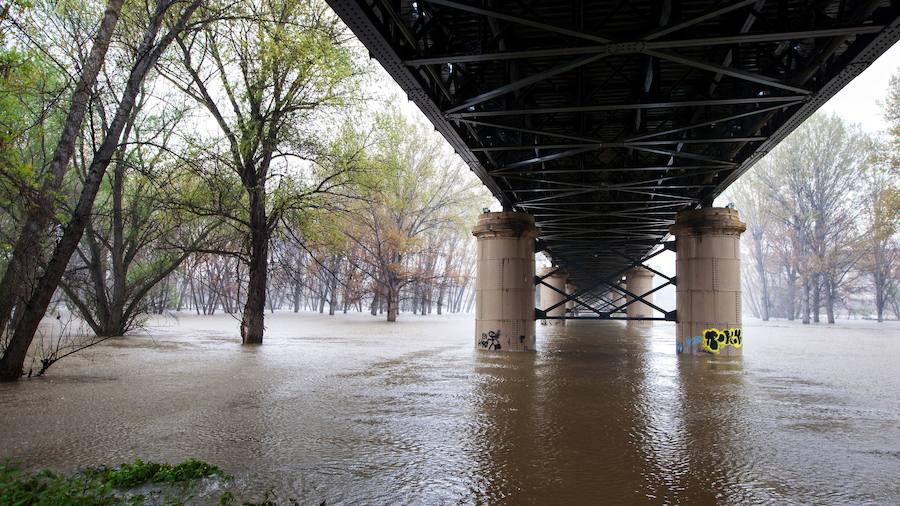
(858, 101)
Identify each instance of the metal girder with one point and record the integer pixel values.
(526, 81)
(517, 19)
(628, 107)
(728, 71)
(610, 145)
(715, 121)
(639, 46)
(699, 19)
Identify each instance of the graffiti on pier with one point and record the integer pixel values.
(490, 340)
(690, 342)
(712, 340)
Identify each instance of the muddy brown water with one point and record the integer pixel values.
(351, 409)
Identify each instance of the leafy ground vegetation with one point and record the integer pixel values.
(133, 484)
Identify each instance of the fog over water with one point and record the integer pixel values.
(350, 409)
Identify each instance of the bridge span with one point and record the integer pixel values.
(606, 128)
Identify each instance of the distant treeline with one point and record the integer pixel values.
(823, 222)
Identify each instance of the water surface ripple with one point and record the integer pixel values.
(350, 409)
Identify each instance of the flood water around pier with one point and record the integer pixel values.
(350, 409)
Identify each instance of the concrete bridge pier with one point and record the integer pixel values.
(570, 305)
(639, 281)
(708, 292)
(550, 297)
(504, 284)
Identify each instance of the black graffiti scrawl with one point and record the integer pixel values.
(490, 340)
(714, 339)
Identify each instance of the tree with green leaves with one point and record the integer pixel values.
(414, 189)
(23, 267)
(161, 22)
(140, 229)
(881, 179)
(265, 74)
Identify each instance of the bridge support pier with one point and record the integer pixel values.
(504, 283)
(551, 297)
(570, 305)
(639, 281)
(708, 292)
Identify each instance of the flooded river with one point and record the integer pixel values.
(350, 409)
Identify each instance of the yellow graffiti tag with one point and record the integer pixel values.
(714, 339)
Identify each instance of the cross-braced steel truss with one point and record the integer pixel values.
(607, 298)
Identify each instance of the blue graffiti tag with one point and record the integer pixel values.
(690, 341)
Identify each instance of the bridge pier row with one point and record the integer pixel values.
(639, 281)
(708, 292)
(504, 283)
(550, 297)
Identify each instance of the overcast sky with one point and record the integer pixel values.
(858, 101)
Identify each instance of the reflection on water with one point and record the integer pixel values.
(354, 410)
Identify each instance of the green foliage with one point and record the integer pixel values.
(98, 486)
(47, 488)
(132, 475)
(28, 118)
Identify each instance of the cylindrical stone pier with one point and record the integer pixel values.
(639, 281)
(550, 297)
(570, 305)
(708, 271)
(504, 286)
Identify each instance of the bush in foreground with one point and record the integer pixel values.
(103, 486)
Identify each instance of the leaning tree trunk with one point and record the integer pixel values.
(36, 307)
(252, 322)
(21, 271)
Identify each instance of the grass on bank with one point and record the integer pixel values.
(102, 486)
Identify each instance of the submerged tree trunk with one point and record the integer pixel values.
(393, 300)
(760, 264)
(375, 303)
(792, 295)
(805, 302)
(297, 288)
(879, 299)
(830, 296)
(252, 321)
(817, 297)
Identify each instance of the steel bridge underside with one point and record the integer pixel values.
(604, 118)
